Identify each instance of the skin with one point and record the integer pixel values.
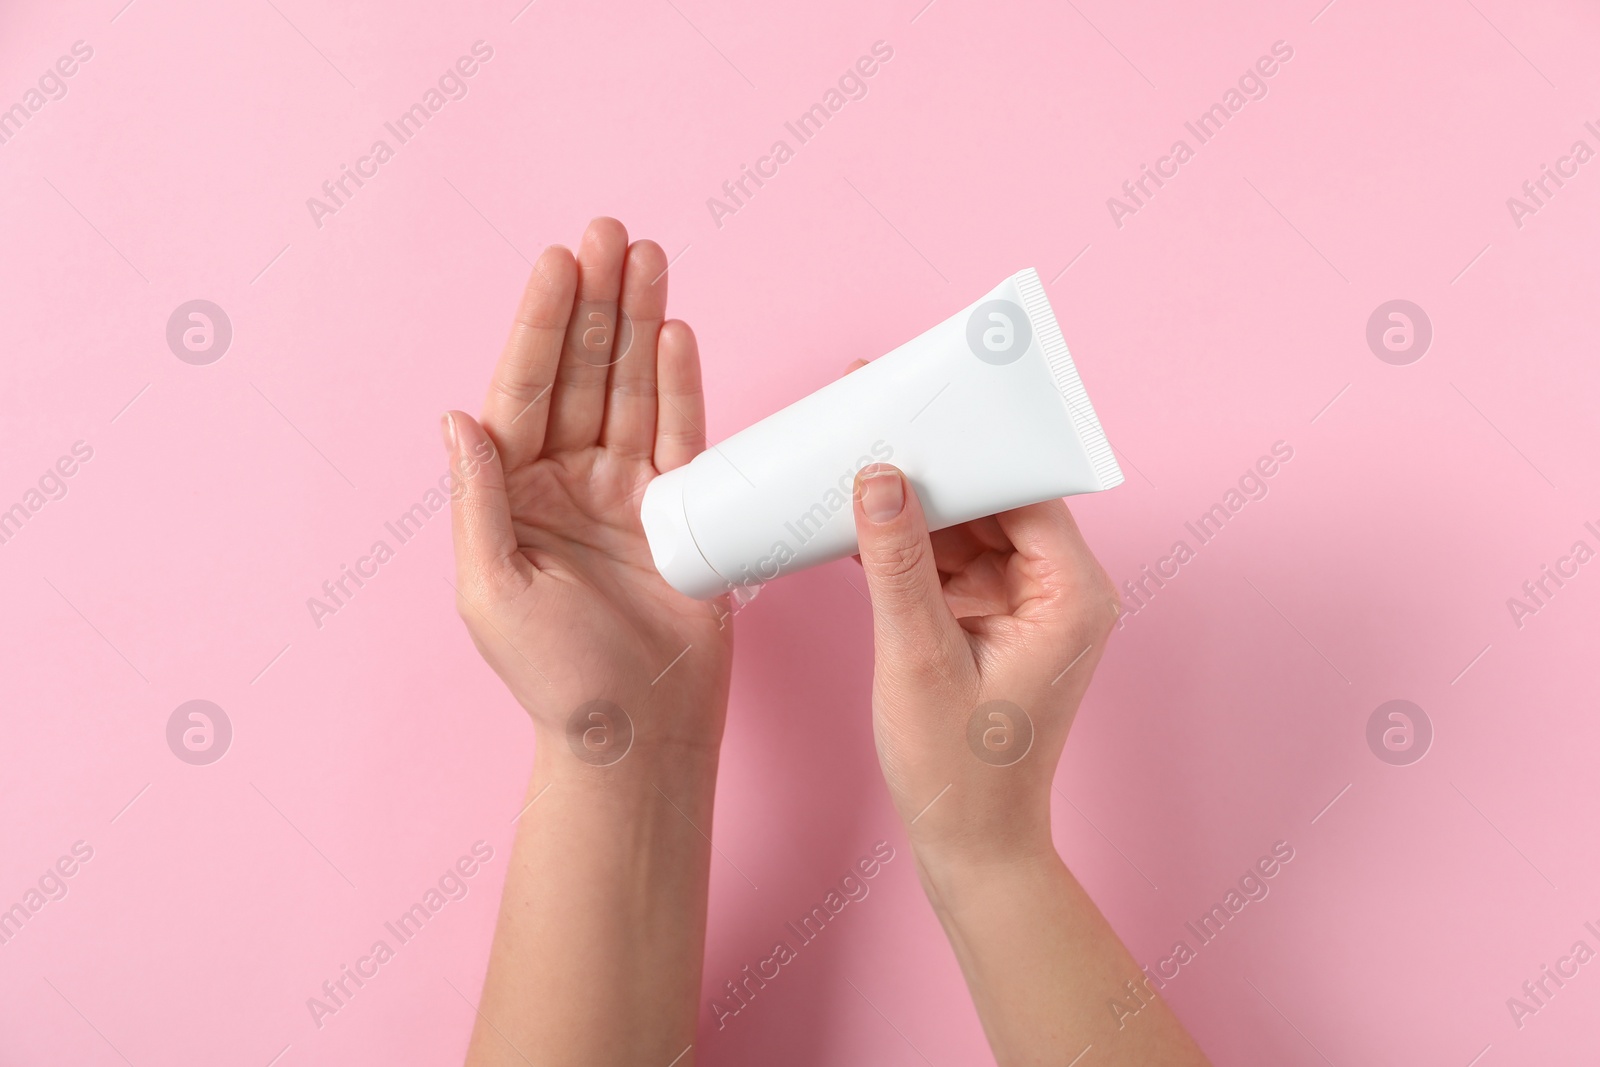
(597, 951)
(1012, 608)
(604, 908)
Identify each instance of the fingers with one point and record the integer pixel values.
(518, 403)
(1064, 572)
(487, 557)
(630, 412)
(578, 401)
(681, 415)
(956, 547)
(911, 621)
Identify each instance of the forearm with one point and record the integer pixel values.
(1044, 966)
(597, 952)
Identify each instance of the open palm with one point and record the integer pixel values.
(594, 395)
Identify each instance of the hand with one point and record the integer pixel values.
(554, 579)
(986, 636)
(604, 908)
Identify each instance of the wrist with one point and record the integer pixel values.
(621, 733)
(960, 881)
(975, 829)
(599, 751)
(637, 825)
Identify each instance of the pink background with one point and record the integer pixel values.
(1223, 317)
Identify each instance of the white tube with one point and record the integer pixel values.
(983, 413)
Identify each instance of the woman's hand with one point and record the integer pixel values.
(594, 395)
(986, 635)
(604, 909)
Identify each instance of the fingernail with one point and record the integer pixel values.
(883, 495)
(447, 429)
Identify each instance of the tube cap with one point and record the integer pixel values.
(672, 544)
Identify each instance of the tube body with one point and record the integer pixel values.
(984, 412)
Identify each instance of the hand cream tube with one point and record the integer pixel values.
(983, 413)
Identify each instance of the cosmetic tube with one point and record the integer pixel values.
(985, 412)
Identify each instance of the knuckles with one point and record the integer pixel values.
(896, 562)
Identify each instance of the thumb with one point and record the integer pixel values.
(480, 513)
(909, 612)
